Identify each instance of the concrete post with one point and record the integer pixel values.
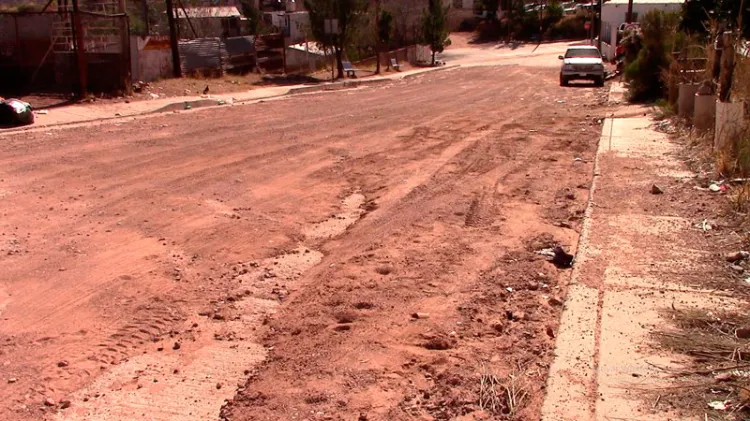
(729, 121)
(686, 100)
(704, 115)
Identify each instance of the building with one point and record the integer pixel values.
(294, 25)
(614, 14)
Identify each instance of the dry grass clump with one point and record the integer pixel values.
(502, 395)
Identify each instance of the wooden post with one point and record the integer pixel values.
(80, 51)
(146, 17)
(125, 47)
(173, 40)
(593, 15)
(727, 68)
(283, 51)
(18, 38)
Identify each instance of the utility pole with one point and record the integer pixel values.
(125, 46)
(377, 41)
(599, 23)
(173, 40)
(629, 17)
(593, 15)
(80, 51)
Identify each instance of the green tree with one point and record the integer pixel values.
(515, 17)
(253, 16)
(435, 28)
(657, 37)
(553, 13)
(347, 13)
(385, 29)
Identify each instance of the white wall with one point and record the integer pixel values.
(299, 24)
(305, 61)
(150, 64)
(616, 14)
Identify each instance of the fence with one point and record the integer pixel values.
(37, 52)
(212, 56)
(202, 55)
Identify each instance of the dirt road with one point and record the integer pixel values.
(368, 251)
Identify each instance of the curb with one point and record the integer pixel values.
(431, 70)
(214, 103)
(350, 84)
(336, 86)
(176, 106)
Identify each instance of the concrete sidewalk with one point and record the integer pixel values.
(81, 113)
(635, 255)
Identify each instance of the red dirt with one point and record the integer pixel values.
(119, 239)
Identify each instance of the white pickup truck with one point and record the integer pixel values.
(582, 62)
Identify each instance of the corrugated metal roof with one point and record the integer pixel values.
(645, 2)
(208, 12)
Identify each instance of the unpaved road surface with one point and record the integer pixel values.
(273, 255)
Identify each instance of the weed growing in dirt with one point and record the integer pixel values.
(663, 109)
(740, 198)
(734, 159)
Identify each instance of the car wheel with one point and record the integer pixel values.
(600, 82)
(563, 81)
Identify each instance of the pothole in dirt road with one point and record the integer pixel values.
(351, 211)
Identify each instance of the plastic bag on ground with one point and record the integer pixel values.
(14, 112)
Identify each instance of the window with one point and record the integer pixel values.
(574, 52)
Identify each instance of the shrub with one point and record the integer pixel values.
(733, 160)
(521, 24)
(644, 73)
(569, 27)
